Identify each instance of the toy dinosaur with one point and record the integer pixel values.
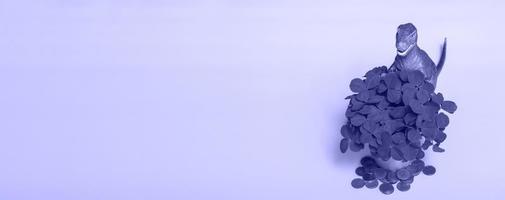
(411, 57)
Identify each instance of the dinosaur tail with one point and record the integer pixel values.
(440, 64)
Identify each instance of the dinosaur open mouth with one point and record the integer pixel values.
(404, 52)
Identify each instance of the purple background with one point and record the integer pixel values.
(229, 99)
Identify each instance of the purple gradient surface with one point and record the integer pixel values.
(229, 99)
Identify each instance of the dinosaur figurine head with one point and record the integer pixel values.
(406, 38)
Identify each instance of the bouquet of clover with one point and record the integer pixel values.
(398, 115)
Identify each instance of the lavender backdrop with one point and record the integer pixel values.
(127, 99)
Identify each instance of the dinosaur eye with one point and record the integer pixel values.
(413, 35)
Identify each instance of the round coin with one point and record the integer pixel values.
(357, 183)
(386, 188)
(429, 170)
